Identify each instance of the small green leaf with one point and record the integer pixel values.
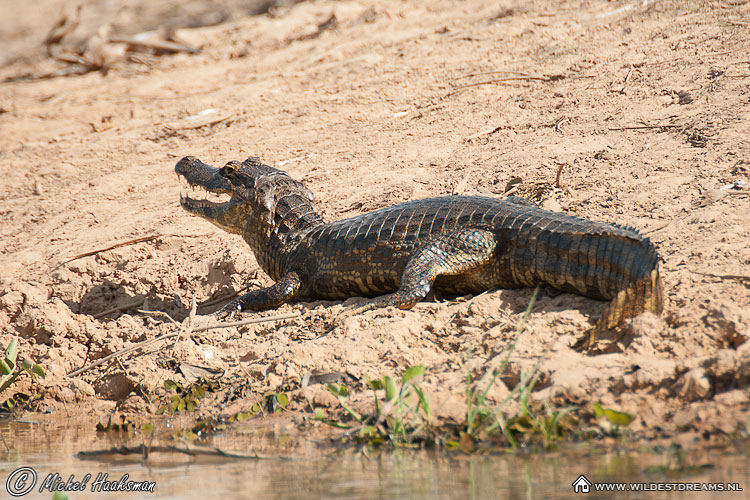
(282, 399)
(390, 388)
(368, 431)
(411, 372)
(338, 390)
(424, 401)
(598, 410)
(38, 371)
(376, 384)
(613, 416)
(190, 436)
(12, 351)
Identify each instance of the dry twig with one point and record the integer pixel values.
(643, 127)
(192, 451)
(159, 313)
(122, 352)
(557, 176)
(740, 277)
(508, 79)
(485, 132)
(481, 73)
(187, 324)
(166, 336)
(122, 307)
(126, 243)
(225, 298)
(111, 247)
(162, 45)
(559, 123)
(230, 324)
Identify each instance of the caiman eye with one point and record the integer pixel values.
(228, 171)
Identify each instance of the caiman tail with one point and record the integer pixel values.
(643, 295)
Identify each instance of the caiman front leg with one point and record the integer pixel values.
(264, 298)
(450, 254)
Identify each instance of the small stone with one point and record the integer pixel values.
(82, 388)
(552, 205)
(721, 367)
(686, 418)
(320, 396)
(732, 321)
(273, 381)
(693, 385)
(115, 387)
(734, 398)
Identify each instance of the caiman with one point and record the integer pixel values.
(454, 244)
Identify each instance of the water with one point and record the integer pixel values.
(308, 471)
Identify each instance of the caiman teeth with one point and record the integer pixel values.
(197, 193)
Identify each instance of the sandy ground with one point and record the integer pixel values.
(642, 109)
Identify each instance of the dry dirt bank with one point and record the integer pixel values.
(642, 109)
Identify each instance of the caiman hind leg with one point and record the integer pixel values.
(450, 254)
(264, 298)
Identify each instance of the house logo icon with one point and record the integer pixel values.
(581, 485)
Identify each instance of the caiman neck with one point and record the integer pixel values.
(274, 234)
(293, 215)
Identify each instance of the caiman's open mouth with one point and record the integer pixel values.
(194, 195)
(203, 191)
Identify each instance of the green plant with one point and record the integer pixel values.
(402, 414)
(127, 427)
(613, 421)
(482, 417)
(483, 420)
(184, 399)
(10, 371)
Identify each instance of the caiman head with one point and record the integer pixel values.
(255, 193)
